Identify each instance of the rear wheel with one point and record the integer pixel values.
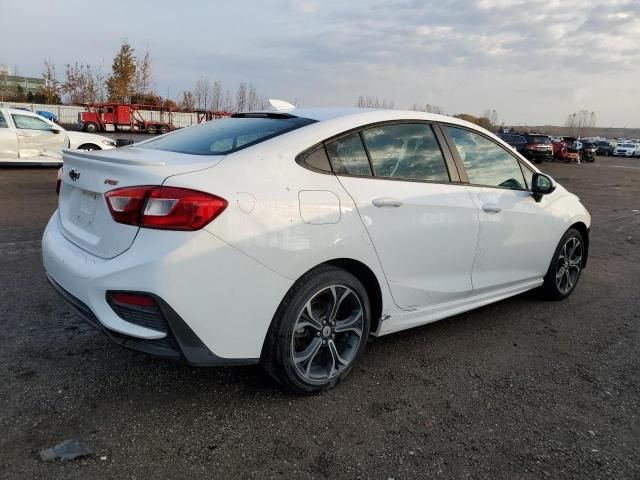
(151, 129)
(318, 332)
(164, 129)
(566, 266)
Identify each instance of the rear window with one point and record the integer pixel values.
(228, 135)
(543, 140)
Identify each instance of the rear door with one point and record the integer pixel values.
(514, 244)
(36, 138)
(8, 141)
(424, 227)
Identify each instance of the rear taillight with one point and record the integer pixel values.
(166, 208)
(58, 181)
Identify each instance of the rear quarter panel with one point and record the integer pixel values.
(264, 221)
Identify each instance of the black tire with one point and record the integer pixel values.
(554, 289)
(90, 127)
(164, 129)
(89, 147)
(283, 337)
(151, 129)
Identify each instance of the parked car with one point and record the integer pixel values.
(625, 150)
(604, 148)
(48, 115)
(587, 151)
(289, 237)
(26, 138)
(566, 151)
(534, 147)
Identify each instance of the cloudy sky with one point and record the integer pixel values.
(534, 61)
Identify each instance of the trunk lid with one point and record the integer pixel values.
(84, 216)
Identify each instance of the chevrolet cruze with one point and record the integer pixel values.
(288, 237)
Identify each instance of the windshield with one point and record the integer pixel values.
(543, 140)
(221, 137)
(627, 145)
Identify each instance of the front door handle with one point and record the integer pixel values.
(491, 208)
(386, 202)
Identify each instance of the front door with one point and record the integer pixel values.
(423, 228)
(515, 231)
(36, 138)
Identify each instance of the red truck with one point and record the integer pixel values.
(123, 117)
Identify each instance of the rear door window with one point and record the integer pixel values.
(348, 156)
(3, 121)
(405, 151)
(486, 162)
(228, 135)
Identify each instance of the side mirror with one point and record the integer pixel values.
(542, 184)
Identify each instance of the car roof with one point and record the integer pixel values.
(363, 116)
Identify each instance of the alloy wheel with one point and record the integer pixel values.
(569, 264)
(327, 333)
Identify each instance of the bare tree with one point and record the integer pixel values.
(427, 108)
(51, 89)
(227, 102)
(216, 99)
(188, 101)
(143, 78)
(203, 93)
(374, 102)
(253, 99)
(489, 119)
(241, 97)
(99, 79)
(578, 122)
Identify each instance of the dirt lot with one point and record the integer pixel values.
(520, 389)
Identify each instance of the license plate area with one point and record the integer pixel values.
(87, 210)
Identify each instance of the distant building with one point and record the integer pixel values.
(5, 70)
(12, 85)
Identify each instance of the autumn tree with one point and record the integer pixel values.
(121, 83)
(80, 85)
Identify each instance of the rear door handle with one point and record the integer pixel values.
(491, 208)
(386, 202)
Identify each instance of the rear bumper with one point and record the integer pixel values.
(540, 156)
(180, 344)
(217, 301)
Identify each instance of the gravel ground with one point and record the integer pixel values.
(519, 389)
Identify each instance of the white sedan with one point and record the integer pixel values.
(289, 237)
(27, 138)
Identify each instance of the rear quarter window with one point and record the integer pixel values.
(228, 135)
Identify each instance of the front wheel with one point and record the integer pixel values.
(566, 266)
(89, 147)
(318, 332)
